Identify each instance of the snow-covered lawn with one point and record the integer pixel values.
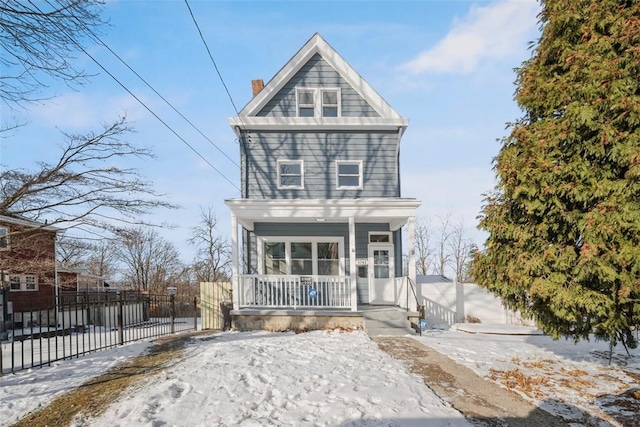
(326, 379)
(555, 375)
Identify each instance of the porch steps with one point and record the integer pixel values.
(379, 321)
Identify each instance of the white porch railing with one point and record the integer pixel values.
(288, 291)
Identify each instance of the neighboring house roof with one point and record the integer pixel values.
(17, 220)
(433, 278)
(248, 119)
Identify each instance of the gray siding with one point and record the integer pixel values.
(319, 151)
(317, 73)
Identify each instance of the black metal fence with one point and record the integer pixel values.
(73, 324)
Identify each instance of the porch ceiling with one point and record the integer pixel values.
(394, 211)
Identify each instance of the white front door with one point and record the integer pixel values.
(381, 274)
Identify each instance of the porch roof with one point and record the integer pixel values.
(394, 211)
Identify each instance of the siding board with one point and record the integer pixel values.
(319, 151)
(317, 73)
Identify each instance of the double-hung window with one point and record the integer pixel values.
(291, 174)
(306, 102)
(349, 174)
(318, 102)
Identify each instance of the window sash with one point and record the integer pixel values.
(290, 174)
(304, 257)
(4, 238)
(347, 177)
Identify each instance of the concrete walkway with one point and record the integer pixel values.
(484, 403)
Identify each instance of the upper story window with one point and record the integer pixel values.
(349, 174)
(4, 238)
(291, 174)
(318, 102)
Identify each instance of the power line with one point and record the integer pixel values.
(141, 102)
(213, 60)
(96, 38)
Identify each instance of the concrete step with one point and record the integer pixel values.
(385, 314)
(376, 332)
(387, 323)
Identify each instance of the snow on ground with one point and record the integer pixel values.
(555, 375)
(31, 389)
(259, 378)
(330, 379)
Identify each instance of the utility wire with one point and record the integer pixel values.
(213, 61)
(96, 38)
(142, 103)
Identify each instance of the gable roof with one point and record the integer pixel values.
(317, 45)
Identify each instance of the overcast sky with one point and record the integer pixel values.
(446, 65)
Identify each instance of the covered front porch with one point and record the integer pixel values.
(321, 256)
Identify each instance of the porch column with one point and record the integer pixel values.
(353, 273)
(234, 261)
(413, 306)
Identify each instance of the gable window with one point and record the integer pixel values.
(306, 102)
(349, 174)
(291, 174)
(316, 102)
(330, 104)
(4, 238)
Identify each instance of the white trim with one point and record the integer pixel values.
(317, 44)
(287, 240)
(316, 123)
(386, 233)
(338, 100)
(314, 104)
(23, 282)
(291, 162)
(28, 223)
(360, 173)
(395, 211)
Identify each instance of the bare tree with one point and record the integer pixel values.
(443, 256)
(72, 252)
(39, 39)
(101, 260)
(85, 186)
(460, 246)
(213, 257)
(423, 246)
(150, 262)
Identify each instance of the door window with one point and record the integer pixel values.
(381, 264)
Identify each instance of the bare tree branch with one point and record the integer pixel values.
(39, 40)
(213, 256)
(85, 186)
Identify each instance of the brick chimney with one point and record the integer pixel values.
(257, 86)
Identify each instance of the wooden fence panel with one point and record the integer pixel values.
(212, 294)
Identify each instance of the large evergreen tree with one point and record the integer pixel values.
(564, 219)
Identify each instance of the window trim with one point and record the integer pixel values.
(339, 101)
(279, 175)
(386, 233)
(360, 173)
(5, 238)
(314, 240)
(318, 102)
(23, 282)
(299, 105)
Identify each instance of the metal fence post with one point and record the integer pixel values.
(120, 319)
(172, 299)
(195, 313)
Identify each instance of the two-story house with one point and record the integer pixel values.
(317, 228)
(27, 266)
